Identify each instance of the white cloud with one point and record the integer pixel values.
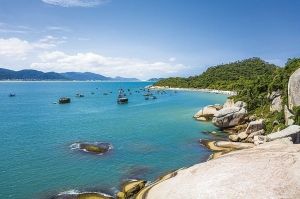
(110, 66)
(18, 48)
(58, 28)
(75, 3)
(14, 47)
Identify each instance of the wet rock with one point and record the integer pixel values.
(131, 188)
(207, 112)
(94, 148)
(82, 195)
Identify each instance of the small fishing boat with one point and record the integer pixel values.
(64, 100)
(122, 99)
(79, 95)
(12, 95)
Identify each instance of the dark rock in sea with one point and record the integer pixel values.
(131, 188)
(94, 148)
(64, 100)
(84, 195)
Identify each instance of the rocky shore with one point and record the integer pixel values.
(229, 93)
(253, 163)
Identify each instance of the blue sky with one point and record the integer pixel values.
(145, 38)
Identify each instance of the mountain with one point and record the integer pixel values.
(155, 79)
(224, 76)
(125, 79)
(6, 74)
(84, 76)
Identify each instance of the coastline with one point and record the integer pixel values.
(205, 90)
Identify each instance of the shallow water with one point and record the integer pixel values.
(149, 137)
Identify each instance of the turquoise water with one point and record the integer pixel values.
(149, 138)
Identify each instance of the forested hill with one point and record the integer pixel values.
(225, 76)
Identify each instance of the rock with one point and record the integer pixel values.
(201, 119)
(207, 112)
(270, 170)
(288, 116)
(274, 94)
(234, 145)
(243, 135)
(255, 126)
(294, 90)
(229, 103)
(292, 131)
(276, 104)
(95, 148)
(229, 117)
(240, 104)
(259, 139)
(83, 195)
(260, 132)
(233, 137)
(131, 188)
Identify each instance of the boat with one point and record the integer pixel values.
(12, 95)
(64, 100)
(122, 99)
(79, 95)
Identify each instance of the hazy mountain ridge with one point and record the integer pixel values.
(35, 75)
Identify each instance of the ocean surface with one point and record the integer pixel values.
(149, 137)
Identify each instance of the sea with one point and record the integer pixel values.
(149, 138)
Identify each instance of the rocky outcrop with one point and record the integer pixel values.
(292, 131)
(207, 112)
(131, 188)
(98, 148)
(229, 117)
(294, 90)
(288, 116)
(276, 101)
(270, 170)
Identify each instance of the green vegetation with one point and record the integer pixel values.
(253, 79)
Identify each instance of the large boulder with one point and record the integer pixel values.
(270, 170)
(229, 117)
(276, 104)
(294, 90)
(292, 131)
(254, 126)
(288, 116)
(207, 112)
(229, 103)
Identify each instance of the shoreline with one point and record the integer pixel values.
(205, 90)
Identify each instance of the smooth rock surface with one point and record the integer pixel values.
(288, 116)
(294, 90)
(207, 112)
(270, 170)
(276, 104)
(255, 126)
(292, 131)
(229, 117)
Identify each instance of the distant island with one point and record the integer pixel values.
(35, 75)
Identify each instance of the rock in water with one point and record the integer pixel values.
(229, 117)
(294, 90)
(269, 170)
(131, 188)
(94, 148)
(207, 112)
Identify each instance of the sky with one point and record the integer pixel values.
(145, 38)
